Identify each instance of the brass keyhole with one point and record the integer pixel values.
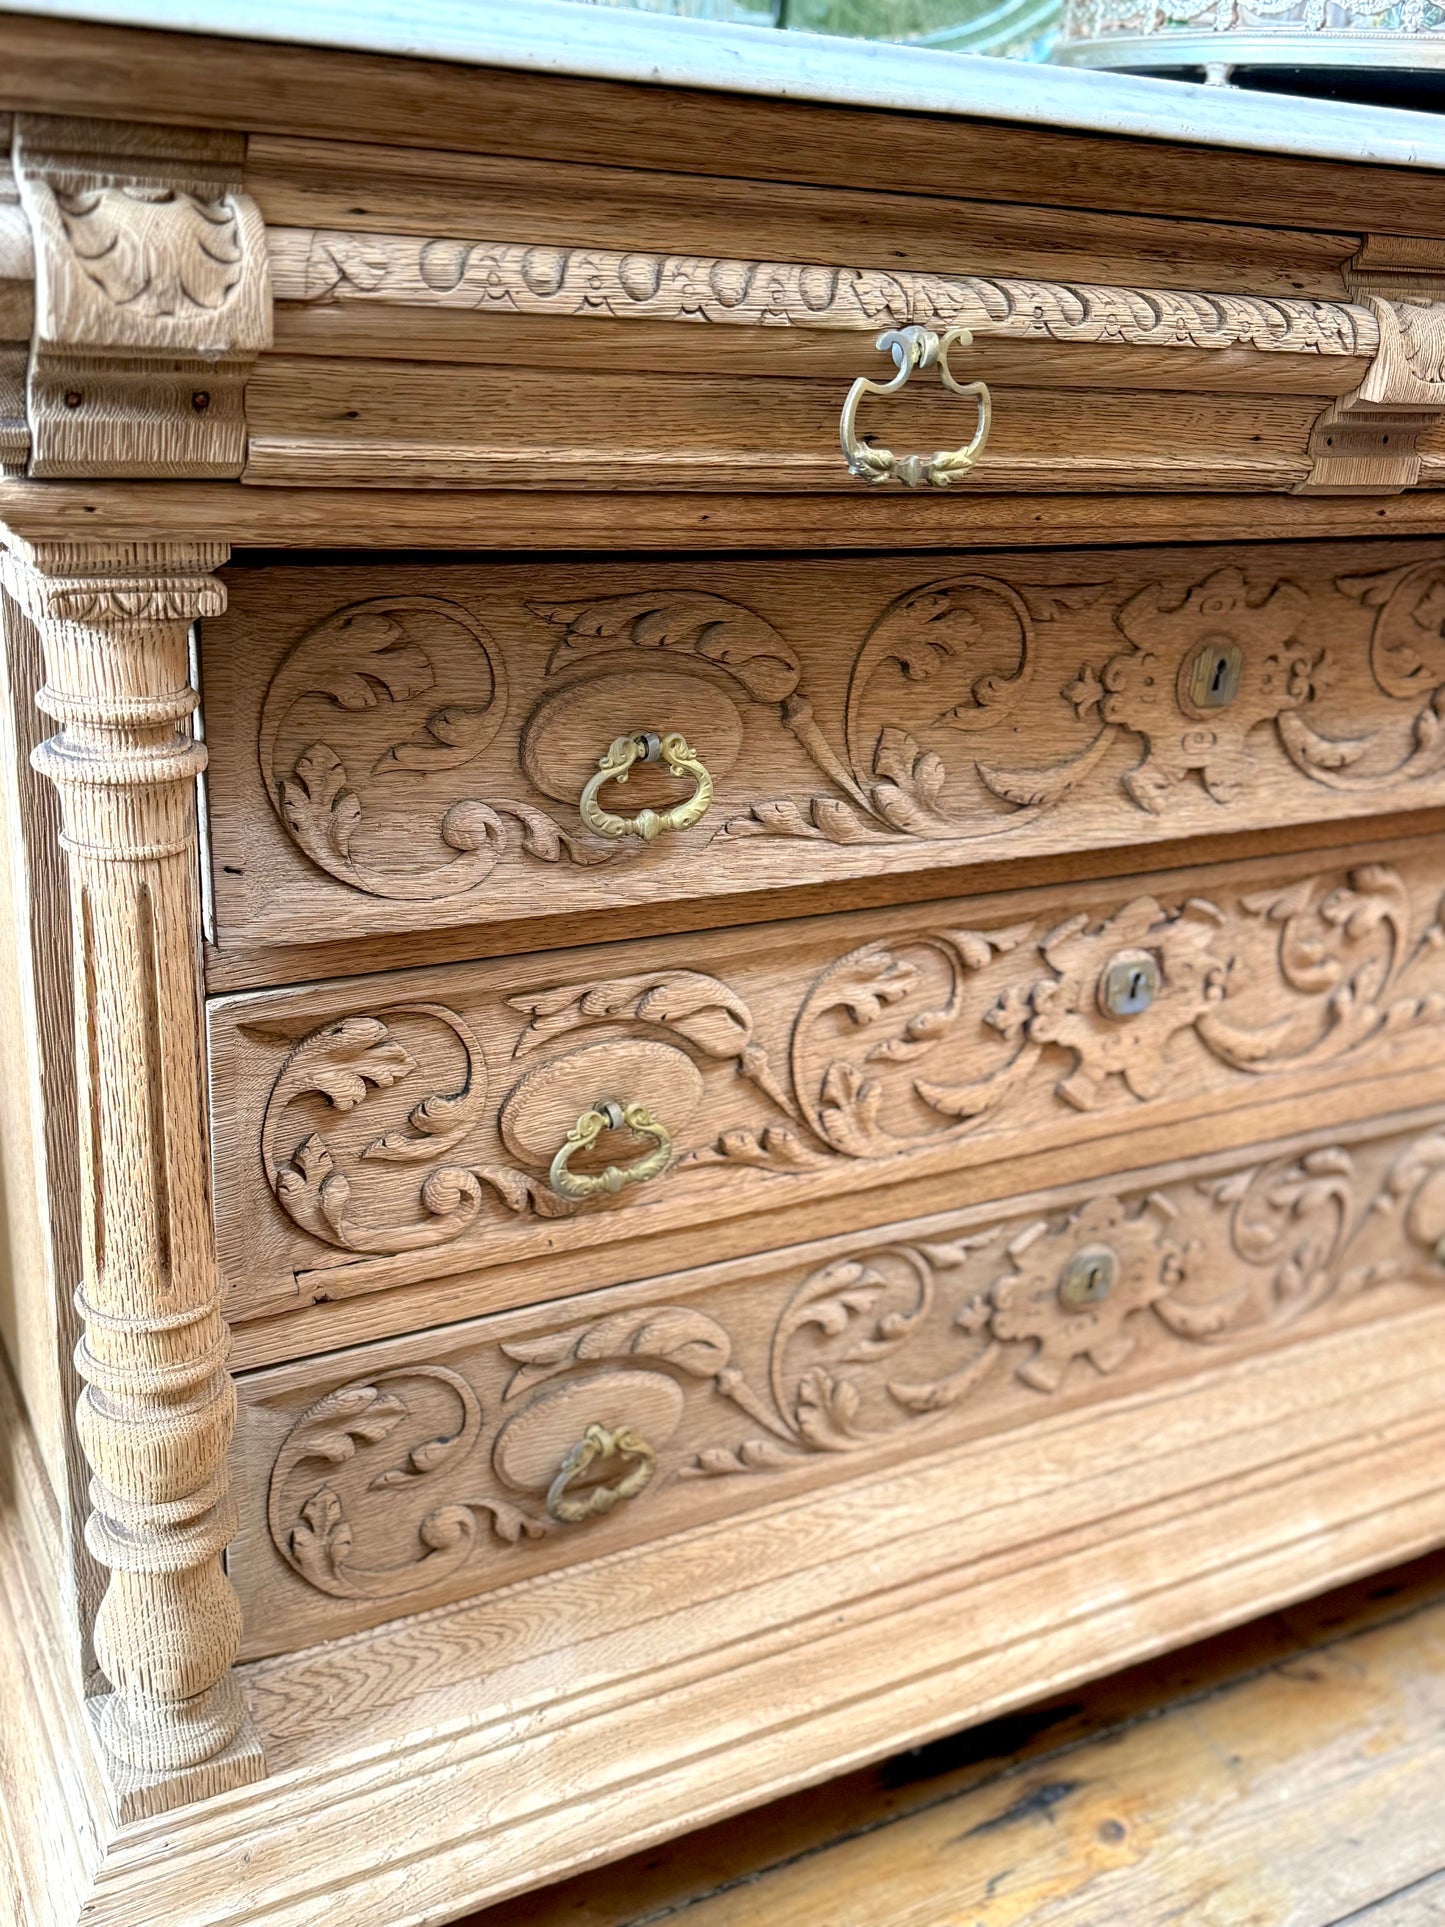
(1211, 674)
(1129, 985)
(1088, 1278)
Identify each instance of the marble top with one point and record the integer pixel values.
(557, 36)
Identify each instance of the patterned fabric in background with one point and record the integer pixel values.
(1019, 29)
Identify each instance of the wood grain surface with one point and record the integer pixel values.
(89, 68)
(1279, 1775)
(390, 519)
(405, 748)
(356, 186)
(752, 1382)
(387, 1131)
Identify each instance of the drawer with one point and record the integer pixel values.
(401, 1475)
(385, 1131)
(402, 749)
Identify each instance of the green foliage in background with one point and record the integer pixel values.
(1021, 28)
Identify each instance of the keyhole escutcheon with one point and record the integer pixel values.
(1130, 984)
(1088, 1277)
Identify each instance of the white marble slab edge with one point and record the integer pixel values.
(555, 36)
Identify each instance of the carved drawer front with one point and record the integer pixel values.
(390, 1130)
(401, 748)
(402, 1474)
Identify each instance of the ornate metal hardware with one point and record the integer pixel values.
(913, 348)
(609, 1115)
(646, 746)
(595, 1501)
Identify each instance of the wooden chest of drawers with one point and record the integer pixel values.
(746, 1056)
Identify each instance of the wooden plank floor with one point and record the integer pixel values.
(1288, 1774)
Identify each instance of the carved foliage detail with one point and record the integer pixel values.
(858, 1351)
(890, 1048)
(155, 249)
(374, 725)
(330, 1073)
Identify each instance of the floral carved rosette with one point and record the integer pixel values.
(1066, 1010)
(1030, 1301)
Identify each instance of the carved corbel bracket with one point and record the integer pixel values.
(151, 298)
(1367, 442)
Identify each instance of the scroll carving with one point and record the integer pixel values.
(335, 1069)
(395, 763)
(785, 1371)
(151, 298)
(516, 278)
(893, 1047)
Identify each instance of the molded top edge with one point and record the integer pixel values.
(557, 36)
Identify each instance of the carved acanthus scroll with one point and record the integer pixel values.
(380, 1137)
(381, 1488)
(151, 297)
(376, 727)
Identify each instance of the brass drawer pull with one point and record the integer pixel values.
(647, 746)
(913, 348)
(598, 1500)
(609, 1115)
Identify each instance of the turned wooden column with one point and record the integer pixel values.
(156, 1415)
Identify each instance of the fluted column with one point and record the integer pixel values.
(156, 1415)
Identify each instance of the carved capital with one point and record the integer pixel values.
(151, 298)
(156, 1416)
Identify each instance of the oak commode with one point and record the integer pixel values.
(724, 950)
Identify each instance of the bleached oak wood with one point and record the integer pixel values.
(97, 69)
(359, 424)
(39, 1144)
(151, 298)
(390, 518)
(397, 1476)
(383, 1132)
(858, 718)
(931, 1055)
(17, 312)
(156, 1413)
(530, 277)
(1111, 1544)
(360, 188)
(1284, 1772)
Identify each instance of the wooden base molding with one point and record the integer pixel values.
(772, 1651)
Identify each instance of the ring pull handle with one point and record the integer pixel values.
(913, 348)
(597, 1500)
(647, 746)
(609, 1115)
